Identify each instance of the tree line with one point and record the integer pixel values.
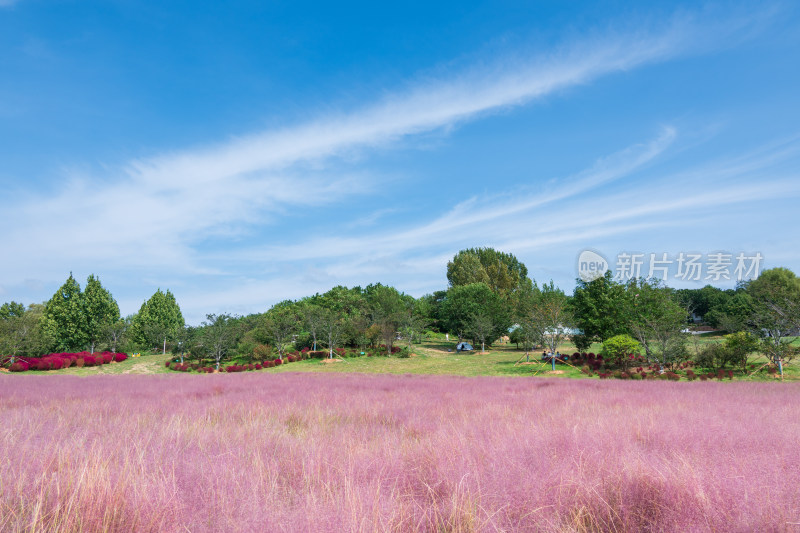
(489, 296)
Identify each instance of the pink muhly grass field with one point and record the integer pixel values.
(287, 452)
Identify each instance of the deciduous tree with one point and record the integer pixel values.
(776, 312)
(220, 333)
(499, 271)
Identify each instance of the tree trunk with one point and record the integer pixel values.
(165, 346)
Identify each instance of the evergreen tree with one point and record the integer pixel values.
(65, 317)
(159, 320)
(101, 311)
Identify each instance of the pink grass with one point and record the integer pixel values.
(286, 452)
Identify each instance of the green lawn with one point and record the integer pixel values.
(430, 357)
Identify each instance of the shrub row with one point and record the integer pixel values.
(57, 361)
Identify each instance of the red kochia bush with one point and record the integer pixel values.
(278, 362)
(19, 366)
(120, 357)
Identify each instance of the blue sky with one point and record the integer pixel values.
(240, 154)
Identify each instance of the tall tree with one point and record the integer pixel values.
(598, 307)
(278, 325)
(387, 308)
(550, 316)
(313, 317)
(464, 301)
(482, 327)
(656, 319)
(219, 335)
(101, 311)
(332, 328)
(776, 312)
(159, 320)
(416, 319)
(65, 317)
(500, 271)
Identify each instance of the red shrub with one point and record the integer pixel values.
(19, 366)
(120, 357)
(107, 358)
(79, 362)
(258, 366)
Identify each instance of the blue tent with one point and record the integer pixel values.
(463, 347)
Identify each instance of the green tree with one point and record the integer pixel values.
(116, 333)
(65, 317)
(549, 316)
(278, 325)
(22, 333)
(656, 319)
(482, 328)
(313, 317)
(464, 301)
(703, 301)
(219, 336)
(101, 311)
(776, 312)
(11, 310)
(432, 308)
(619, 348)
(734, 314)
(500, 271)
(598, 307)
(416, 319)
(387, 308)
(159, 319)
(332, 329)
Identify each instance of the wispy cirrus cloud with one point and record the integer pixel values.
(577, 211)
(156, 213)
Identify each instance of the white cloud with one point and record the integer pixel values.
(155, 213)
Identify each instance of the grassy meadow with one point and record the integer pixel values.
(260, 451)
(429, 357)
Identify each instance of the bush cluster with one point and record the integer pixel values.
(57, 361)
